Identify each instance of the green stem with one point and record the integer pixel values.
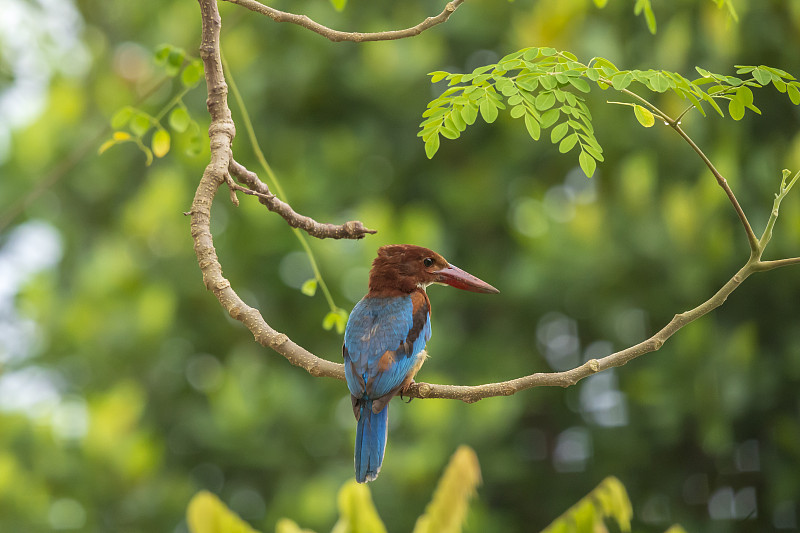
(172, 103)
(275, 183)
(773, 216)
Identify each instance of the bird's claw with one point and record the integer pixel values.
(405, 389)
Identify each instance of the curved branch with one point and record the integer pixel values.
(353, 229)
(338, 36)
(221, 133)
(222, 165)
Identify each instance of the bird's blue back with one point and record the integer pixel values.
(383, 338)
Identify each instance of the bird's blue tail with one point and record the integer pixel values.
(370, 441)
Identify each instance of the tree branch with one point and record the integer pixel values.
(222, 165)
(675, 125)
(349, 230)
(338, 36)
(751, 237)
(221, 133)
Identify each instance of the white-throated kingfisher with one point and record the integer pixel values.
(385, 338)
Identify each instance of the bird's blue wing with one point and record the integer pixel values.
(382, 339)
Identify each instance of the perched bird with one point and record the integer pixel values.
(385, 337)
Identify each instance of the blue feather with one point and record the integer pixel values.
(370, 441)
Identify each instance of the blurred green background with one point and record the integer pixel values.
(125, 388)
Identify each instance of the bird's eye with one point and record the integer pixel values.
(428, 261)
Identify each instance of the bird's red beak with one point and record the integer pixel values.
(455, 277)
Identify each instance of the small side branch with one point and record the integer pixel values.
(675, 124)
(338, 36)
(751, 236)
(353, 229)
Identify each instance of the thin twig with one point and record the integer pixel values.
(751, 236)
(675, 124)
(338, 36)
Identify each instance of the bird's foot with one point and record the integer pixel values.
(405, 389)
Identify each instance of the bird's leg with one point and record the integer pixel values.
(405, 386)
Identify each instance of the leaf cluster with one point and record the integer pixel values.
(546, 89)
(131, 124)
(357, 514)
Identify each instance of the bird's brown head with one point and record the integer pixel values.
(404, 268)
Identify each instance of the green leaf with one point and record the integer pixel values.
(488, 110)
(621, 80)
(762, 76)
(160, 143)
(549, 118)
(192, 74)
(794, 93)
(469, 113)
(518, 111)
(587, 163)
(336, 318)
(309, 288)
(744, 95)
(207, 514)
(438, 76)
(580, 84)
(431, 147)
(179, 119)
(121, 117)
(568, 143)
(161, 53)
(644, 116)
(736, 108)
(140, 123)
(650, 18)
(174, 61)
(339, 5)
(660, 82)
(558, 132)
(534, 130)
(548, 82)
(545, 100)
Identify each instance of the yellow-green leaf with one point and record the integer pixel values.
(588, 164)
(736, 109)
(105, 146)
(121, 135)
(284, 525)
(309, 288)
(160, 143)
(336, 318)
(458, 484)
(207, 514)
(179, 119)
(357, 513)
(644, 116)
